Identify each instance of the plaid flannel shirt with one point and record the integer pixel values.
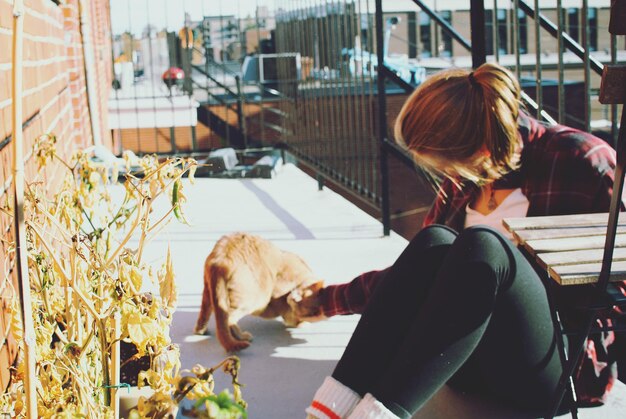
(563, 171)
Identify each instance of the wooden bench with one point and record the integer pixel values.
(570, 249)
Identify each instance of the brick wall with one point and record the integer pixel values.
(55, 101)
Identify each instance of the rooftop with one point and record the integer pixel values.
(284, 366)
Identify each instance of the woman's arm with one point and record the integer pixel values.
(348, 298)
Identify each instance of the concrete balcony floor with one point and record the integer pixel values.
(284, 366)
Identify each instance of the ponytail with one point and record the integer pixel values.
(467, 119)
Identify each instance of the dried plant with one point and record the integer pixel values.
(87, 273)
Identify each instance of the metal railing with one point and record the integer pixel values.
(222, 93)
(255, 106)
(351, 64)
(332, 123)
(324, 134)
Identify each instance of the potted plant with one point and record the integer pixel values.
(87, 272)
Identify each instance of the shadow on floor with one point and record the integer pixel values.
(280, 370)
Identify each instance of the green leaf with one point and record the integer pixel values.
(177, 202)
(222, 406)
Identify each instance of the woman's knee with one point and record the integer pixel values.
(434, 235)
(488, 248)
(484, 239)
(422, 258)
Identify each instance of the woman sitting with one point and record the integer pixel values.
(461, 305)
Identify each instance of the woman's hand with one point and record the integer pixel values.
(307, 303)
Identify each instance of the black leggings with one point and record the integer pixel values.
(466, 309)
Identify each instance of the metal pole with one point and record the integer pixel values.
(586, 64)
(360, 98)
(346, 131)
(131, 39)
(538, 81)
(614, 126)
(561, 49)
(153, 80)
(477, 22)
(343, 139)
(382, 120)
(313, 86)
(516, 37)
(352, 97)
(260, 131)
(371, 169)
(496, 31)
(329, 97)
(309, 92)
(117, 144)
(173, 62)
(241, 117)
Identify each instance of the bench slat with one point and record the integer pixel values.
(571, 247)
(575, 257)
(551, 221)
(587, 273)
(572, 243)
(562, 232)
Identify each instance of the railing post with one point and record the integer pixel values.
(241, 121)
(382, 119)
(477, 22)
(538, 68)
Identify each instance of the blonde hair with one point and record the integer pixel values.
(466, 122)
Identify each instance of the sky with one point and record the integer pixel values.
(134, 15)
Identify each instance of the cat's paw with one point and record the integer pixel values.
(204, 330)
(240, 334)
(246, 336)
(237, 346)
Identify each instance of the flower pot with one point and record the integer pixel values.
(130, 370)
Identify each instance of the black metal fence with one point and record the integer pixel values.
(331, 117)
(359, 61)
(324, 79)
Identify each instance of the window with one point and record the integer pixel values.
(501, 28)
(522, 25)
(571, 22)
(442, 42)
(445, 46)
(592, 25)
(574, 25)
(425, 40)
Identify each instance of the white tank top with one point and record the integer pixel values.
(514, 205)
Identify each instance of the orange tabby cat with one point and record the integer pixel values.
(246, 274)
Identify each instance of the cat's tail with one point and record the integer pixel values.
(206, 308)
(228, 334)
